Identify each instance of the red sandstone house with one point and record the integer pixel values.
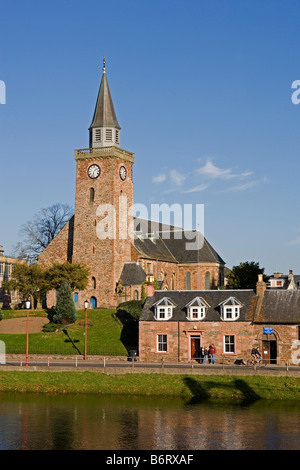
(175, 324)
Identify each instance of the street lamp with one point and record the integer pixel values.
(27, 303)
(86, 306)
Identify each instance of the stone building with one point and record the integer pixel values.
(105, 236)
(174, 325)
(6, 268)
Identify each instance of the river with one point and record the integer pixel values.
(89, 422)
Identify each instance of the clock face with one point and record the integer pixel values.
(94, 171)
(123, 173)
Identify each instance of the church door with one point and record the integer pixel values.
(93, 301)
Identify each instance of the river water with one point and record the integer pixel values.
(89, 422)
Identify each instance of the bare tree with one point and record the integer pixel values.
(41, 230)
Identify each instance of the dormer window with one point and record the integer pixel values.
(163, 309)
(230, 309)
(196, 309)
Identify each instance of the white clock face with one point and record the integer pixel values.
(123, 173)
(94, 171)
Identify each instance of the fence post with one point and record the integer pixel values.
(162, 363)
(76, 361)
(104, 361)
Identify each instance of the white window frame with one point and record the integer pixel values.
(230, 311)
(200, 306)
(229, 344)
(162, 341)
(163, 312)
(200, 313)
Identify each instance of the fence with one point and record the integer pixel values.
(134, 361)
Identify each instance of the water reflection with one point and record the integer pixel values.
(118, 423)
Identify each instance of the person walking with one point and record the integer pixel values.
(212, 352)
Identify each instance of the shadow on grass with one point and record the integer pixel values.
(202, 391)
(69, 340)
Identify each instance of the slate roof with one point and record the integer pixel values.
(169, 243)
(132, 274)
(279, 306)
(214, 298)
(104, 113)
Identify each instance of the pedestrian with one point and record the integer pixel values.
(212, 352)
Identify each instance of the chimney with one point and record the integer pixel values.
(260, 286)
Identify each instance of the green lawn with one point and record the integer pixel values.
(105, 336)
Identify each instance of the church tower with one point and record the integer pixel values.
(103, 204)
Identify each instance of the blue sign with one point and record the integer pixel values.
(268, 330)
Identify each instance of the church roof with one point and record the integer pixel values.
(104, 113)
(165, 242)
(132, 274)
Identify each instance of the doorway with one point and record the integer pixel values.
(269, 349)
(93, 301)
(195, 347)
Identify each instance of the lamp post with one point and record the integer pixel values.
(27, 303)
(86, 305)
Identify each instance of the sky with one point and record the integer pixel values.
(203, 94)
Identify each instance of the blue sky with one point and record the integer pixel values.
(202, 91)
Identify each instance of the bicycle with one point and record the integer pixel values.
(256, 361)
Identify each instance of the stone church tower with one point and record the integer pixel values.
(101, 237)
(104, 196)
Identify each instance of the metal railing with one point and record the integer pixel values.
(105, 361)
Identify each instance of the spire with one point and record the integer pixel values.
(104, 128)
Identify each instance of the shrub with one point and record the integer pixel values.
(132, 308)
(49, 327)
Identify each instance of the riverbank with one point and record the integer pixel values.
(196, 387)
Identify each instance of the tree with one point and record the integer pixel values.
(28, 280)
(65, 311)
(244, 276)
(41, 230)
(73, 273)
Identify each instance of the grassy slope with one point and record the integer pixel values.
(103, 337)
(198, 387)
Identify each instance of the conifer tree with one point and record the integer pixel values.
(65, 311)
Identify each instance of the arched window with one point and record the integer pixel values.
(94, 282)
(188, 281)
(136, 295)
(76, 297)
(92, 195)
(207, 280)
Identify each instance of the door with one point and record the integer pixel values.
(269, 351)
(195, 347)
(93, 301)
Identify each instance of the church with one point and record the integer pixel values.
(123, 252)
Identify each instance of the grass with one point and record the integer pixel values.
(196, 388)
(105, 336)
